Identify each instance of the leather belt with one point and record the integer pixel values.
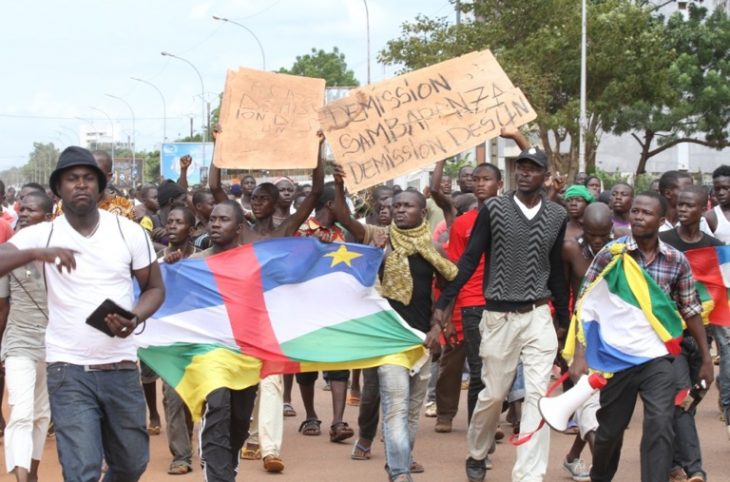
(107, 367)
(531, 306)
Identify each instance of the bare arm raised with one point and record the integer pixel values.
(290, 225)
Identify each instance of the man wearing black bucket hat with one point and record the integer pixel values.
(89, 258)
(521, 235)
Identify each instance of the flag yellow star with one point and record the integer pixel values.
(342, 255)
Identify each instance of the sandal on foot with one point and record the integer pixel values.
(289, 410)
(154, 429)
(359, 452)
(251, 452)
(417, 468)
(273, 464)
(310, 427)
(340, 431)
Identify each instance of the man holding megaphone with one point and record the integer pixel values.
(636, 297)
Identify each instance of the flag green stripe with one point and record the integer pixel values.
(663, 307)
(371, 336)
(702, 291)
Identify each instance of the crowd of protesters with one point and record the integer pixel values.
(489, 277)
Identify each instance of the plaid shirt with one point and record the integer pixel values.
(670, 269)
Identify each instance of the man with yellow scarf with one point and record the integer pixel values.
(411, 262)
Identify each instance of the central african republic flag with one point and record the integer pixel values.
(624, 318)
(279, 306)
(711, 270)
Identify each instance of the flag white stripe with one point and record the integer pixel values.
(204, 325)
(622, 325)
(299, 309)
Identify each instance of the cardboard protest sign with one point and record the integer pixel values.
(387, 129)
(268, 120)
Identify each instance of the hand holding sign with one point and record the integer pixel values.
(390, 128)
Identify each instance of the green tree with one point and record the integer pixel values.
(537, 42)
(693, 90)
(330, 66)
(41, 162)
(151, 172)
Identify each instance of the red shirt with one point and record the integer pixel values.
(6, 231)
(472, 294)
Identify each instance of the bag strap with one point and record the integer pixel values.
(28, 294)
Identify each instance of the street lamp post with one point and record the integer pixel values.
(583, 74)
(367, 26)
(164, 106)
(134, 140)
(202, 98)
(261, 47)
(111, 123)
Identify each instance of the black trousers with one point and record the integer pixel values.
(223, 430)
(654, 382)
(471, 317)
(687, 451)
(369, 414)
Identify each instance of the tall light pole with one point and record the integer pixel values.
(261, 47)
(583, 74)
(164, 105)
(111, 123)
(367, 26)
(134, 140)
(202, 98)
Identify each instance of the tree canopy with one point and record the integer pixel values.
(640, 68)
(330, 66)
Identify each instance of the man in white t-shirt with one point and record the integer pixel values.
(87, 256)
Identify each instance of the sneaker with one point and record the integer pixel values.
(577, 470)
(476, 470)
(431, 409)
(488, 463)
(677, 475)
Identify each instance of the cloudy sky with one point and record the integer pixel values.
(60, 58)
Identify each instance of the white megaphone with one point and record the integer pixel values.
(556, 411)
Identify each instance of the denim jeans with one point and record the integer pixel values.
(401, 397)
(722, 338)
(98, 414)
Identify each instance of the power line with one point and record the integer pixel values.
(29, 116)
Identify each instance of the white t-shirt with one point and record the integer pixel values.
(102, 271)
(528, 212)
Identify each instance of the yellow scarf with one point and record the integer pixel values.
(397, 279)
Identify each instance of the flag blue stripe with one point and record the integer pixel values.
(723, 254)
(296, 260)
(191, 286)
(603, 357)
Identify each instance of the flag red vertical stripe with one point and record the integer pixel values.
(238, 276)
(705, 265)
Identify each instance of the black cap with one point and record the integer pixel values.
(76, 156)
(167, 191)
(535, 155)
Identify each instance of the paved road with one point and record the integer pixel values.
(316, 459)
